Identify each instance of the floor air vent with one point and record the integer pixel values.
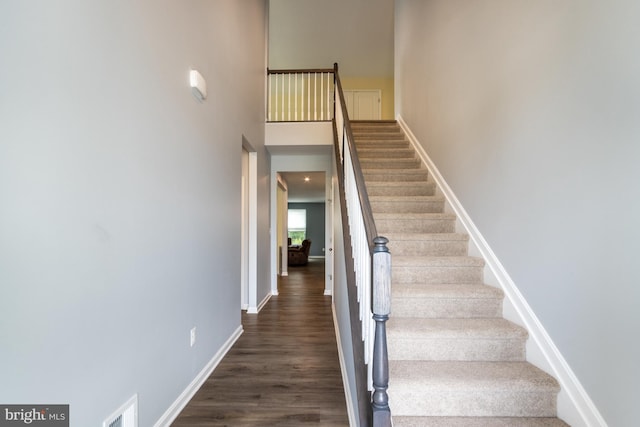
(124, 416)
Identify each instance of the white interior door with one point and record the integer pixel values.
(363, 104)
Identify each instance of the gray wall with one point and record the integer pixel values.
(120, 196)
(315, 225)
(531, 112)
(357, 34)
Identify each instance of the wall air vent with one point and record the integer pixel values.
(124, 416)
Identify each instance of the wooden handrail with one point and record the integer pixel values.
(370, 224)
(301, 70)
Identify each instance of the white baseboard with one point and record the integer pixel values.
(351, 412)
(265, 300)
(174, 410)
(574, 404)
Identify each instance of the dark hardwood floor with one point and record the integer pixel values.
(284, 369)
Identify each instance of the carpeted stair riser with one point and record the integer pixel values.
(385, 153)
(417, 273)
(418, 204)
(477, 422)
(397, 175)
(477, 389)
(360, 134)
(441, 301)
(432, 244)
(372, 144)
(455, 339)
(400, 189)
(390, 163)
(415, 223)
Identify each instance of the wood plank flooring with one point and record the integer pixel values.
(284, 369)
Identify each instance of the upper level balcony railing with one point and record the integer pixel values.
(300, 95)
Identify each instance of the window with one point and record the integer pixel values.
(297, 231)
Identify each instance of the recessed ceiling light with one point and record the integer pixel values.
(307, 179)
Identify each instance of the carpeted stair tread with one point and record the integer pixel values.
(489, 339)
(407, 198)
(436, 270)
(400, 421)
(400, 188)
(461, 388)
(437, 261)
(427, 236)
(414, 222)
(446, 291)
(378, 136)
(415, 204)
(407, 176)
(382, 143)
(428, 244)
(446, 301)
(377, 163)
(452, 375)
(385, 153)
(417, 328)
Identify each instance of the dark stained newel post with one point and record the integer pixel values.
(381, 307)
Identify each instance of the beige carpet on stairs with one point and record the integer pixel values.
(454, 360)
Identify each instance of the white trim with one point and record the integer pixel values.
(176, 407)
(328, 292)
(253, 227)
(351, 412)
(256, 310)
(128, 411)
(574, 404)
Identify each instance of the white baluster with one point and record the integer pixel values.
(308, 96)
(328, 96)
(282, 91)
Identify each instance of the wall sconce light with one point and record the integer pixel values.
(198, 85)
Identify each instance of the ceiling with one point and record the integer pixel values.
(301, 191)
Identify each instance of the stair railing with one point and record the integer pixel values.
(371, 258)
(316, 95)
(300, 95)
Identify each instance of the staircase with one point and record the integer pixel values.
(453, 360)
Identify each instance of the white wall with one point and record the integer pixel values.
(530, 111)
(120, 196)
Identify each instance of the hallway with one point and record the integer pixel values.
(284, 369)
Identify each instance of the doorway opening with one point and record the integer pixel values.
(304, 222)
